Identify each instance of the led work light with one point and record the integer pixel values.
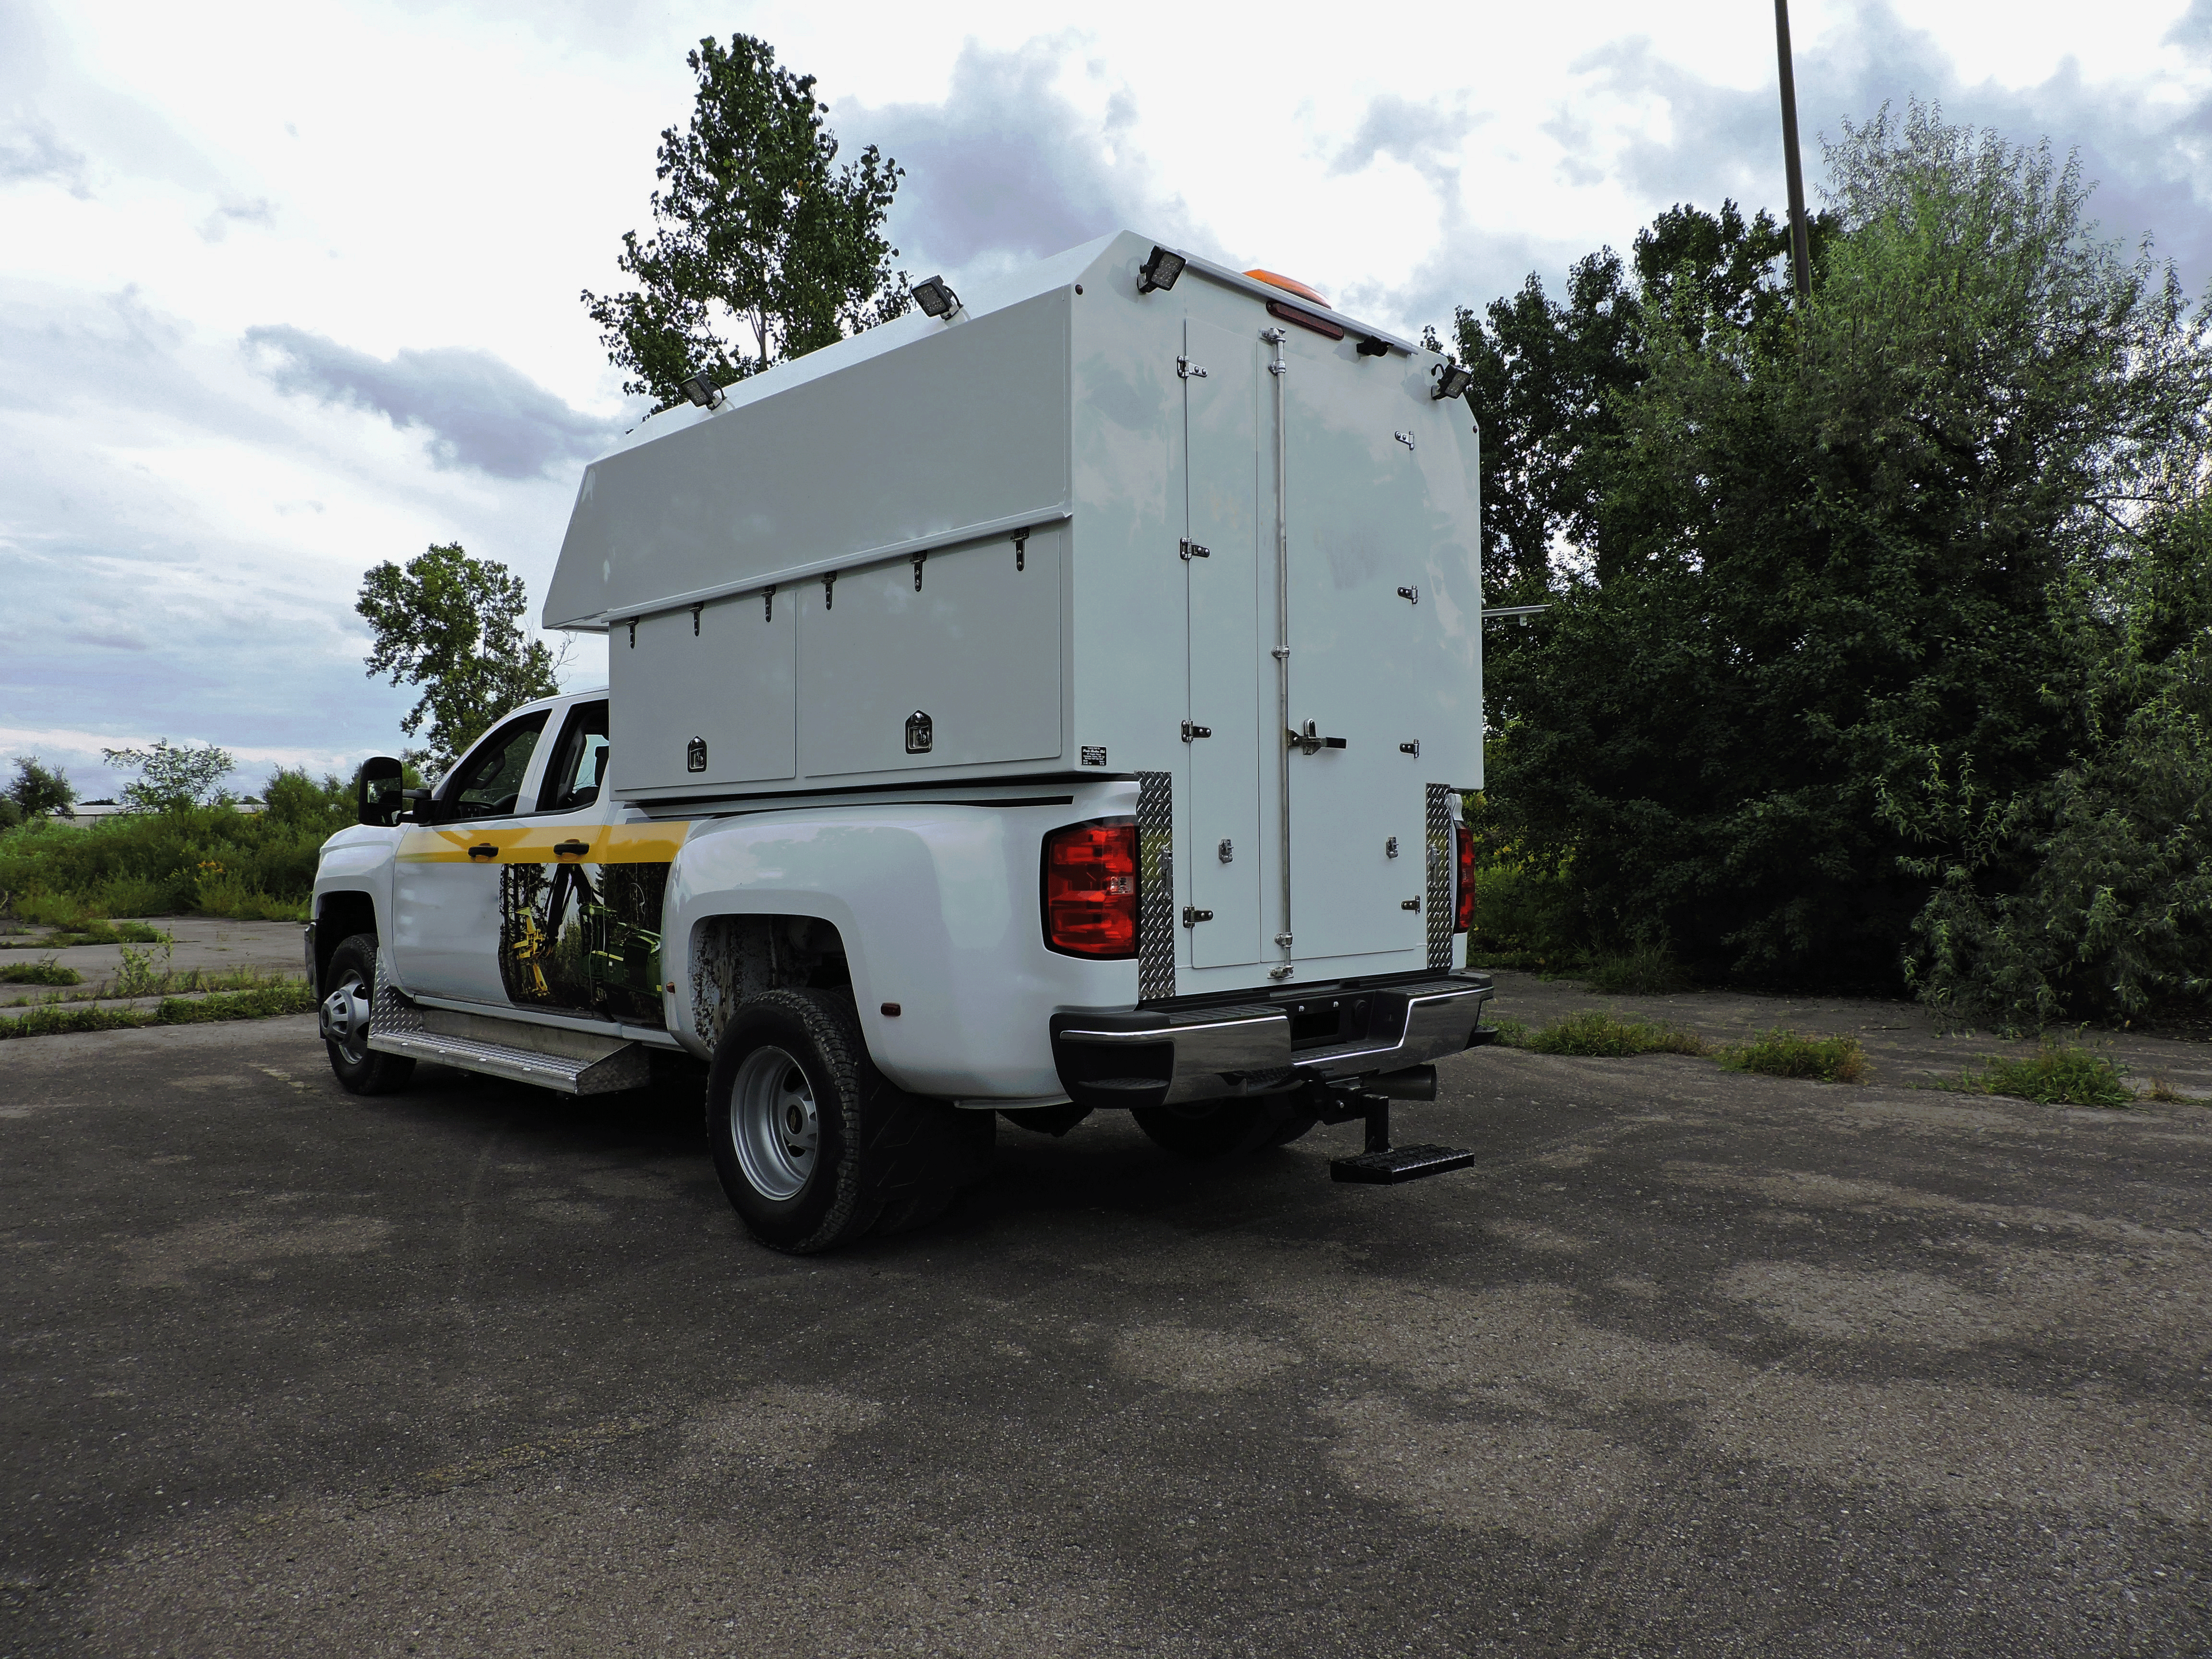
(1159, 272)
(935, 299)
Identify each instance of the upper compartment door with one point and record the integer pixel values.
(1228, 662)
(1360, 534)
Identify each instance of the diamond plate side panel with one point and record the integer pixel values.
(1439, 905)
(388, 1011)
(1156, 905)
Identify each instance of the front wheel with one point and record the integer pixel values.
(345, 1017)
(814, 1146)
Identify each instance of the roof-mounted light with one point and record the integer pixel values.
(935, 299)
(701, 391)
(1159, 272)
(1452, 381)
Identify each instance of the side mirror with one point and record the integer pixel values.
(422, 804)
(377, 792)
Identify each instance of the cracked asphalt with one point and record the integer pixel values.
(1689, 1363)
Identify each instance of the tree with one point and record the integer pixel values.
(1848, 553)
(756, 229)
(37, 789)
(448, 622)
(1549, 378)
(173, 777)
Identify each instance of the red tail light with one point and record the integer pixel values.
(1464, 913)
(1090, 890)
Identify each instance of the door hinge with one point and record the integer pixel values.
(1411, 904)
(1412, 747)
(1410, 595)
(1390, 848)
(1405, 438)
(1190, 732)
(1191, 549)
(1187, 370)
(919, 560)
(1226, 852)
(1192, 916)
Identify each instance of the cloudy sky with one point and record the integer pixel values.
(288, 290)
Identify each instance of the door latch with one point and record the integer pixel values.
(1191, 549)
(1312, 742)
(1190, 732)
(1226, 853)
(1191, 916)
(1405, 438)
(571, 849)
(484, 850)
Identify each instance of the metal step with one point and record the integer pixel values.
(1399, 1163)
(550, 1057)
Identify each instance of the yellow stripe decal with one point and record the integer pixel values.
(517, 843)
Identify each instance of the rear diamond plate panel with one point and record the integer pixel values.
(1156, 897)
(1439, 906)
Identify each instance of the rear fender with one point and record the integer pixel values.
(936, 909)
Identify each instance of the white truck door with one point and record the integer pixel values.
(1221, 771)
(1359, 629)
(446, 888)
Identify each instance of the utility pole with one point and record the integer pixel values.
(1801, 251)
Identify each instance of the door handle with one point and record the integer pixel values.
(1312, 742)
(577, 848)
(485, 851)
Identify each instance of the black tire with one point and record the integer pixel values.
(861, 1155)
(1223, 1128)
(352, 975)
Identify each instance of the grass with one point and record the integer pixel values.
(2057, 1074)
(45, 1020)
(189, 980)
(1592, 1031)
(1781, 1052)
(48, 972)
(92, 930)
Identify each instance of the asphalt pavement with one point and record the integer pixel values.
(1689, 1363)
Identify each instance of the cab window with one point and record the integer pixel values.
(578, 770)
(489, 784)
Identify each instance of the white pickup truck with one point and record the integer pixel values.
(1051, 703)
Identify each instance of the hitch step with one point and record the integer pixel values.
(1388, 1168)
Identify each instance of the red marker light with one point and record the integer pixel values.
(1090, 890)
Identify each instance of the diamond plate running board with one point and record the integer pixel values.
(397, 1026)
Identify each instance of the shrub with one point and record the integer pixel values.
(48, 972)
(2057, 1074)
(1592, 1032)
(1780, 1053)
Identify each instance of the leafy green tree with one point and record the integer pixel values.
(1846, 550)
(173, 777)
(1550, 375)
(38, 788)
(762, 248)
(448, 622)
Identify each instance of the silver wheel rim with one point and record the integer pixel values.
(775, 1122)
(345, 1017)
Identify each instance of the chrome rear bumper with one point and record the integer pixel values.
(1154, 1057)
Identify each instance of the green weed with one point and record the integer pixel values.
(2057, 1074)
(1780, 1053)
(1593, 1032)
(48, 972)
(294, 998)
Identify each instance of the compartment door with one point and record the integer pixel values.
(705, 701)
(1229, 661)
(1359, 532)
